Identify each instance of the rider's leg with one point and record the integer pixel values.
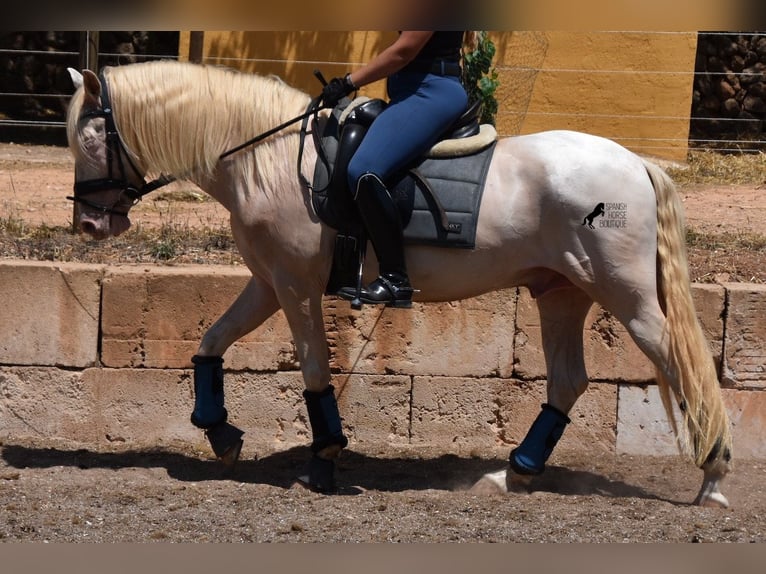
(384, 227)
(420, 109)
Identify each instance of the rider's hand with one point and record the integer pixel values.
(336, 89)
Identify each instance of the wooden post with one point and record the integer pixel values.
(196, 46)
(89, 51)
(88, 61)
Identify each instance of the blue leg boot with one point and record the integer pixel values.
(328, 440)
(530, 456)
(209, 413)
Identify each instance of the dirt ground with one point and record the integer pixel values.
(57, 492)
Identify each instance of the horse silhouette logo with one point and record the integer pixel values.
(593, 215)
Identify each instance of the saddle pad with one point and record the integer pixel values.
(456, 187)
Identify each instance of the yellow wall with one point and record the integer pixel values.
(634, 87)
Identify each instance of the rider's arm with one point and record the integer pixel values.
(392, 59)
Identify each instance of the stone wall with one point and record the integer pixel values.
(101, 355)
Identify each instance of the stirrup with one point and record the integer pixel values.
(401, 297)
(381, 290)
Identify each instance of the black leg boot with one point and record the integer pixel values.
(210, 414)
(329, 440)
(384, 227)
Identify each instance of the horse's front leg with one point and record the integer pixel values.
(302, 306)
(255, 304)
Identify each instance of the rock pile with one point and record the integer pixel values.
(729, 100)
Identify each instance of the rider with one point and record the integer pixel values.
(426, 96)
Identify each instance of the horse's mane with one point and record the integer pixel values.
(178, 118)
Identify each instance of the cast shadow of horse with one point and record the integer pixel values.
(446, 472)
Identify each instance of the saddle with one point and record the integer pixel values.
(438, 195)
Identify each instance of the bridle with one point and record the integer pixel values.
(115, 150)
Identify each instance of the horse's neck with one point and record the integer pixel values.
(174, 140)
(254, 173)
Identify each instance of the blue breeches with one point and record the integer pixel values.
(422, 107)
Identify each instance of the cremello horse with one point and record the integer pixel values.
(179, 119)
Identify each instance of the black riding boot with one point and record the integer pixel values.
(384, 227)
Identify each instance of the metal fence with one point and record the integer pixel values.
(727, 115)
(34, 83)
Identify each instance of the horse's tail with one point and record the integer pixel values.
(705, 435)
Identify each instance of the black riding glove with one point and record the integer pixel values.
(336, 89)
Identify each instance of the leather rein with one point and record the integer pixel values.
(130, 195)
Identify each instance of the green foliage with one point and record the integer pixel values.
(480, 78)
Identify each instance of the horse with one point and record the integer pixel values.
(179, 119)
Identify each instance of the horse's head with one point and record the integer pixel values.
(107, 182)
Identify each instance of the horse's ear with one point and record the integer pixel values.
(92, 87)
(76, 78)
(91, 83)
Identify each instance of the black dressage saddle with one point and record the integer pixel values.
(438, 196)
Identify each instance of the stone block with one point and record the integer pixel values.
(643, 427)
(271, 410)
(46, 403)
(155, 317)
(747, 412)
(141, 408)
(710, 305)
(610, 353)
(462, 414)
(50, 314)
(473, 337)
(745, 347)
(375, 408)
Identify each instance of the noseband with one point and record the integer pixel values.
(129, 194)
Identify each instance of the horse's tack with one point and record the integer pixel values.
(115, 150)
(467, 139)
(438, 197)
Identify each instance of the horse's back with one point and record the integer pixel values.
(572, 204)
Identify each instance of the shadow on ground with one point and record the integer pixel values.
(355, 471)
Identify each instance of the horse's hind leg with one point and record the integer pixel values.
(648, 331)
(649, 328)
(562, 319)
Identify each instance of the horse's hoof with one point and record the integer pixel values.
(712, 500)
(490, 483)
(226, 442)
(515, 482)
(231, 456)
(319, 476)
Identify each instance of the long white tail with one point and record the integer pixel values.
(705, 435)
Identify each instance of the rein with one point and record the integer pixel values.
(115, 148)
